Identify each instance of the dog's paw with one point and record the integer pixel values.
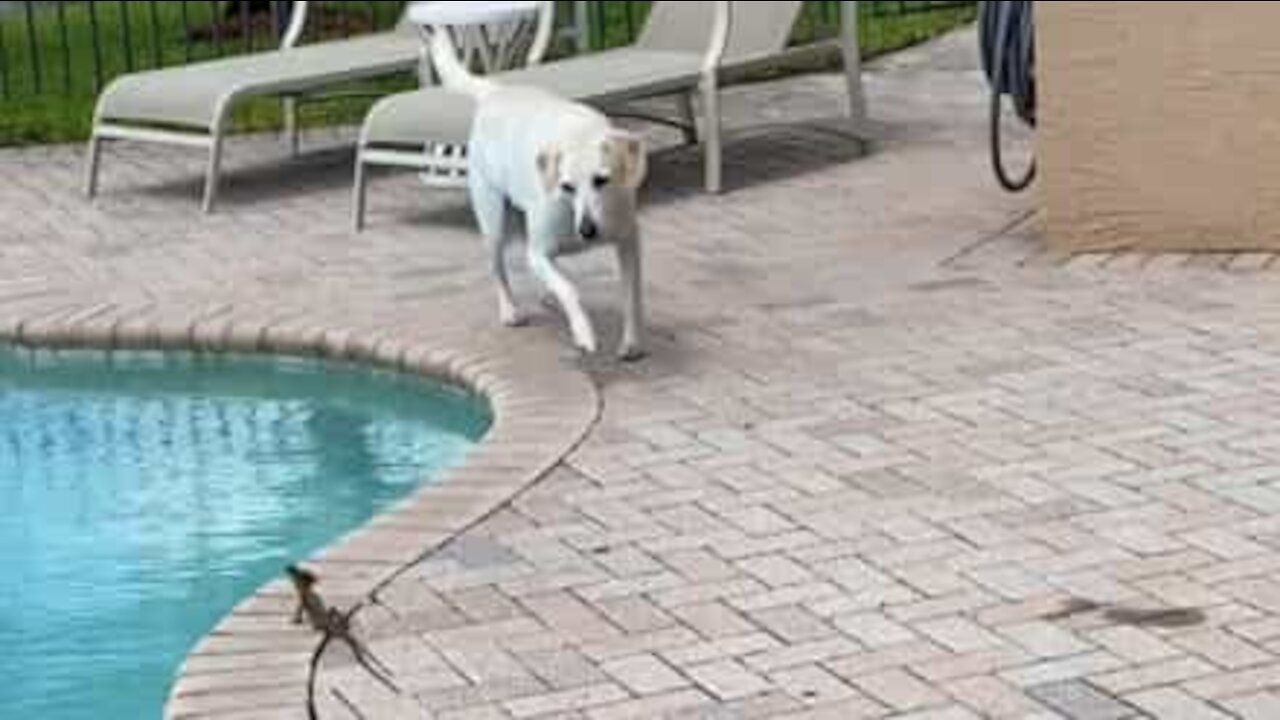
(631, 352)
(586, 342)
(513, 318)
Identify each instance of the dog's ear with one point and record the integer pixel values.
(549, 168)
(631, 162)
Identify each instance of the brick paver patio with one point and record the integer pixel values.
(889, 458)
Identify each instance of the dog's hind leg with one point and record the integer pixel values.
(493, 213)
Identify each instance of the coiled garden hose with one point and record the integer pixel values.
(1006, 34)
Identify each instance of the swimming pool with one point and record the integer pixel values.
(145, 494)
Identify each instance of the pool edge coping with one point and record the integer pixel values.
(255, 660)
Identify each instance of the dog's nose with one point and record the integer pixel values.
(588, 229)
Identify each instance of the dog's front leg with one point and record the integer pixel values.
(630, 267)
(584, 336)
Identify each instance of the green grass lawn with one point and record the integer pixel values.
(61, 107)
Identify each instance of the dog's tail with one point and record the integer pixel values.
(453, 74)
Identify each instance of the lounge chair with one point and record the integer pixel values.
(190, 105)
(685, 50)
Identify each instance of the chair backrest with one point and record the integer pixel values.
(758, 29)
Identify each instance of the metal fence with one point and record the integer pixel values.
(72, 49)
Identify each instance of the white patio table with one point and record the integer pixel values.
(491, 35)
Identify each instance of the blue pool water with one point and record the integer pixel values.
(143, 495)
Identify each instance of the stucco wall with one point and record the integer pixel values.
(1160, 124)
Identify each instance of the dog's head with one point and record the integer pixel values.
(301, 577)
(599, 177)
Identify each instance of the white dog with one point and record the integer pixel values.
(570, 172)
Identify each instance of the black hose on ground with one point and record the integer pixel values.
(1006, 35)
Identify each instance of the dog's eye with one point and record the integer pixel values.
(600, 181)
(568, 189)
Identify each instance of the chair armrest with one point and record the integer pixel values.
(720, 31)
(297, 24)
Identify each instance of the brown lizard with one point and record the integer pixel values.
(333, 623)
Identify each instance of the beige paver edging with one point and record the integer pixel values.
(255, 662)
